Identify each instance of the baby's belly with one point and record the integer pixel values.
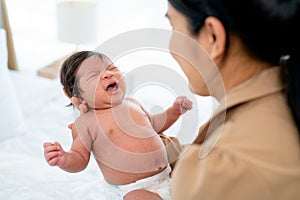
(122, 164)
(121, 167)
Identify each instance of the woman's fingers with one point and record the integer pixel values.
(81, 105)
(75, 101)
(83, 108)
(70, 126)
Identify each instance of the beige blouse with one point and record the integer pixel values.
(251, 151)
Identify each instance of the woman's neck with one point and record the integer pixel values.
(240, 65)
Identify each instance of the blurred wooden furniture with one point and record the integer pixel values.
(51, 70)
(12, 61)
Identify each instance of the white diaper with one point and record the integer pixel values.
(159, 183)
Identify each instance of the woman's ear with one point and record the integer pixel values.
(213, 37)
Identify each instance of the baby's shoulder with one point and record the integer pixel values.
(85, 124)
(132, 100)
(86, 119)
(133, 103)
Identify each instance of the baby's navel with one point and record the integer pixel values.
(161, 167)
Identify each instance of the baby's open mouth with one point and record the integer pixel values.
(112, 86)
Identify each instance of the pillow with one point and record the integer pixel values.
(11, 119)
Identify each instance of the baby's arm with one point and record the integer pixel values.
(164, 120)
(74, 160)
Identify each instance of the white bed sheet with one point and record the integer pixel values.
(24, 174)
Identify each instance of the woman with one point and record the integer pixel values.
(256, 150)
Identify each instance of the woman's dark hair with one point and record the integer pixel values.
(69, 69)
(268, 29)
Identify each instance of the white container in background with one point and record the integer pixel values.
(77, 21)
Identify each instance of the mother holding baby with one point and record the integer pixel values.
(255, 47)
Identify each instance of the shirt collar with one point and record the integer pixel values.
(263, 84)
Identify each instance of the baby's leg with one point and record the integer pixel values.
(141, 194)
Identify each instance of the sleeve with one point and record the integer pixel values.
(219, 175)
(173, 148)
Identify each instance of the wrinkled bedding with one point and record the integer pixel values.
(24, 174)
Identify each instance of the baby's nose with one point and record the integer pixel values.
(107, 74)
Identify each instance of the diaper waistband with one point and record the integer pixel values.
(143, 183)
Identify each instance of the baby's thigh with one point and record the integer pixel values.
(141, 194)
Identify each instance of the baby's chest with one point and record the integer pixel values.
(125, 121)
(124, 115)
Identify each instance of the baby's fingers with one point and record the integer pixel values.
(58, 146)
(48, 147)
(178, 101)
(53, 161)
(52, 157)
(47, 144)
(187, 104)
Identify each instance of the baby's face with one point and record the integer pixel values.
(101, 83)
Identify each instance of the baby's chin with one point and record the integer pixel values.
(115, 103)
(117, 97)
(109, 104)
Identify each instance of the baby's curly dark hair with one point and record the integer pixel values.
(70, 67)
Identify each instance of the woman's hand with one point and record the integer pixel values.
(80, 105)
(182, 104)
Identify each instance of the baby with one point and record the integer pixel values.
(119, 132)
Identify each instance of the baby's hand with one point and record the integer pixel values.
(182, 104)
(54, 154)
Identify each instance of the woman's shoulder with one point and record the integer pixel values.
(265, 110)
(263, 123)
